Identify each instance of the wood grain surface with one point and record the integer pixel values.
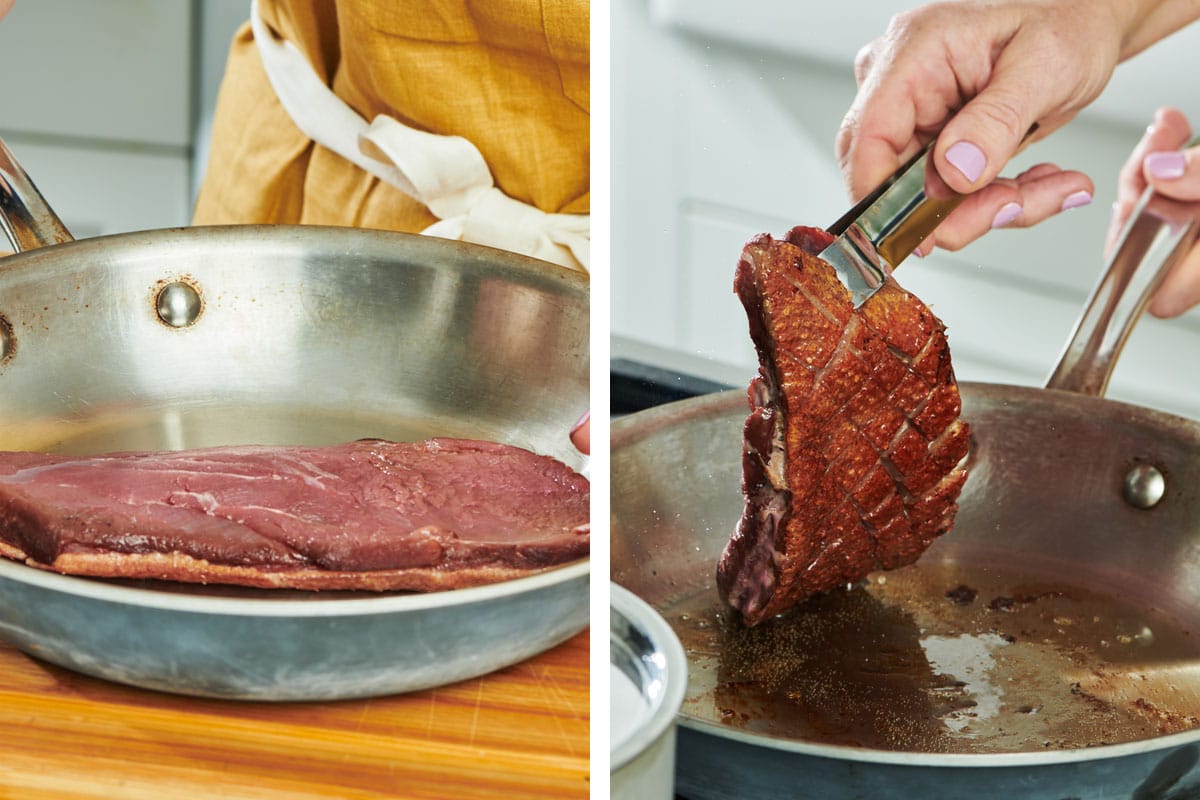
(520, 732)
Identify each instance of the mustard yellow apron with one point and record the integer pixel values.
(459, 119)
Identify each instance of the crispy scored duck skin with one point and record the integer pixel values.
(371, 514)
(853, 449)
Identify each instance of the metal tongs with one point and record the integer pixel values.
(888, 224)
(885, 226)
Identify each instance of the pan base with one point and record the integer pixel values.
(945, 658)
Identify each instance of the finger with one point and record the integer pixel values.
(864, 60)
(925, 247)
(899, 106)
(869, 149)
(1047, 190)
(981, 137)
(864, 160)
(1169, 131)
(1174, 173)
(581, 433)
(1180, 290)
(1032, 197)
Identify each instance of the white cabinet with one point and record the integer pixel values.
(104, 103)
(119, 70)
(718, 135)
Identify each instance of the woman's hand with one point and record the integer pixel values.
(581, 434)
(977, 76)
(1161, 160)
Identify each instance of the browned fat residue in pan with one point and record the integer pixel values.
(945, 659)
(8, 341)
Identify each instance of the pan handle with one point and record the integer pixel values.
(1159, 233)
(25, 216)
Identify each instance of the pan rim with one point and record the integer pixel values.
(376, 242)
(1025, 758)
(633, 427)
(185, 602)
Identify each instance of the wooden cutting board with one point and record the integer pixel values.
(520, 732)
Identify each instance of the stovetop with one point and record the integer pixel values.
(642, 376)
(635, 386)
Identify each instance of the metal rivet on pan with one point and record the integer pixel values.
(8, 341)
(1144, 486)
(178, 304)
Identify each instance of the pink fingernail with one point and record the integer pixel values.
(1076, 199)
(967, 159)
(1007, 213)
(1167, 165)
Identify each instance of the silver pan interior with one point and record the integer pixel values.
(301, 335)
(1050, 638)
(304, 335)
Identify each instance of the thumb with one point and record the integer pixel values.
(975, 145)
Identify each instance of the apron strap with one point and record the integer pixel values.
(446, 174)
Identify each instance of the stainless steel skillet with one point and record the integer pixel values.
(1046, 648)
(292, 335)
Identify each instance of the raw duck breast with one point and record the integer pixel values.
(371, 514)
(853, 449)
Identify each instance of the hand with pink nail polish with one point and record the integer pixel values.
(581, 433)
(978, 76)
(1161, 160)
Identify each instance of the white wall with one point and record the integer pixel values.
(106, 104)
(716, 139)
(216, 23)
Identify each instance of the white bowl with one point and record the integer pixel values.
(648, 678)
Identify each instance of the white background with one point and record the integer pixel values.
(723, 123)
(107, 104)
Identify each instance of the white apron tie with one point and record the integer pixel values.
(446, 174)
